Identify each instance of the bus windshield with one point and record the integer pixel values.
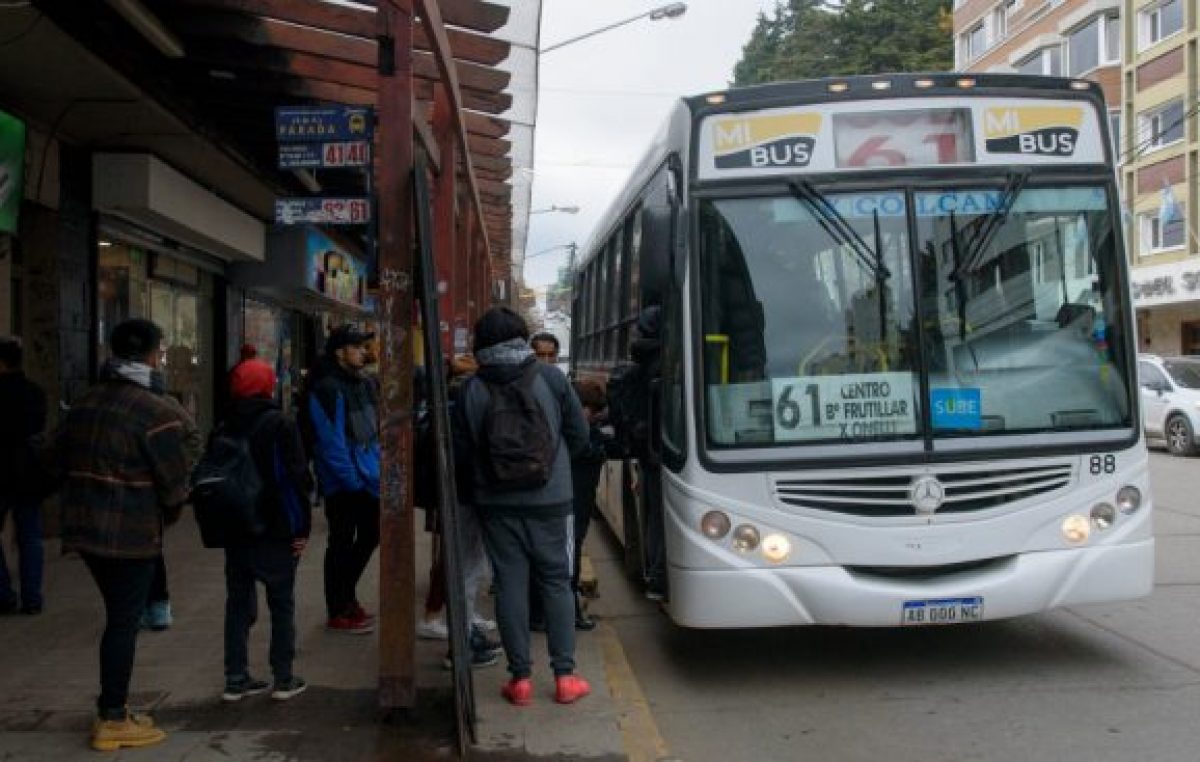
(814, 329)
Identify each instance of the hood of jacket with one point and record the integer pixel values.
(504, 362)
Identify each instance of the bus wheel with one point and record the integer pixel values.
(1180, 438)
(632, 520)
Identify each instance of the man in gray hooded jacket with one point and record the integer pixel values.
(527, 531)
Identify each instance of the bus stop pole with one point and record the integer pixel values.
(397, 567)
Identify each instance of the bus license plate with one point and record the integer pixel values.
(941, 611)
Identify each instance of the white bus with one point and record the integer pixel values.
(898, 367)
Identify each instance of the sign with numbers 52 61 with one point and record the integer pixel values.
(851, 407)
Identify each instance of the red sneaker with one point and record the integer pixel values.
(358, 612)
(518, 691)
(350, 625)
(570, 688)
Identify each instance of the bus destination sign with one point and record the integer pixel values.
(903, 133)
(850, 407)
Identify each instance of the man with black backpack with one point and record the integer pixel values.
(520, 422)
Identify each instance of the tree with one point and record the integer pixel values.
(804, 39)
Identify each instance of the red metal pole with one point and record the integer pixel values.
(397, 557)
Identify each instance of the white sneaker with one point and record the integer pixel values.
(487, 625)
(432, 629)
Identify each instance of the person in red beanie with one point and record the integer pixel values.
(271, 558)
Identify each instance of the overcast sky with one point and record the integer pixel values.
(602, 99)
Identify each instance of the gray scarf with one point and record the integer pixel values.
(511, 352)
(135, 373)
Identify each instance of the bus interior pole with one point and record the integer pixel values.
(397, 572)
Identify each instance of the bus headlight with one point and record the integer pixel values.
(1103, 516)
(745, 538)
(1129, 498)
(1076, 529)
(714, 525)
(776, 548)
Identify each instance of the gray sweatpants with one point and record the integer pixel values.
(520, 546)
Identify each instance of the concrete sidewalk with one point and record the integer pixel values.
(49, 679)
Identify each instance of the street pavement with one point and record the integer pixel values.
(49, 673)
(1115, 682)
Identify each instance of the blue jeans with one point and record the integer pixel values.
(27, 521)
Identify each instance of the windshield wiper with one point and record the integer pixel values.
(991, 224)
(829, 218)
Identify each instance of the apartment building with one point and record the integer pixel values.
(1160, 174)
(1067, 38)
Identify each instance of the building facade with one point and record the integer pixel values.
(1160, 175)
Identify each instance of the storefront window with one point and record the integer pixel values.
(135, 283)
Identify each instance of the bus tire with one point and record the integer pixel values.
(1180, 437)
(632, 520)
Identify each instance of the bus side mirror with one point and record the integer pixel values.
(656, 253)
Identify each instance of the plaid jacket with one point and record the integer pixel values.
(121, 450)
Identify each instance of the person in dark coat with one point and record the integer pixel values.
(122, 450)
(585, 476)
(646, 352)
(272, 558)
(22, 418)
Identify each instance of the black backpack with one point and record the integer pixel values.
(226, 487)
(517, 442)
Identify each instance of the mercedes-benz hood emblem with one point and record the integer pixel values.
(927, 495)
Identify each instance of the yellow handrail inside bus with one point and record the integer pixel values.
(723, 340)
(808, 357)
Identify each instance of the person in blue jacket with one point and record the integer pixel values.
(343, 410)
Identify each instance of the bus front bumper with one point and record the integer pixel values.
(833, 595)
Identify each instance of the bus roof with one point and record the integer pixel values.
(866, 86)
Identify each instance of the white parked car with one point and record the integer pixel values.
(1170, 388)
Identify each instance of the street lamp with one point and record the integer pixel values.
(668, 11)
(570, 246)
(563, 209)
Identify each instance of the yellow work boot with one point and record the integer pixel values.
(130, 733)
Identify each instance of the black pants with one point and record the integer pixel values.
(158, 588)
(124, 584)
(653, 529)
(353, 536)
(540, 548)
(585, 477)
(272, 563)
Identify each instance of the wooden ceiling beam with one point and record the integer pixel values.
(490, 174)
(465, 45)
(494, 163)
(491, 103)
(336, 69)
(472, 14)
(479, 124)
(488, 146)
